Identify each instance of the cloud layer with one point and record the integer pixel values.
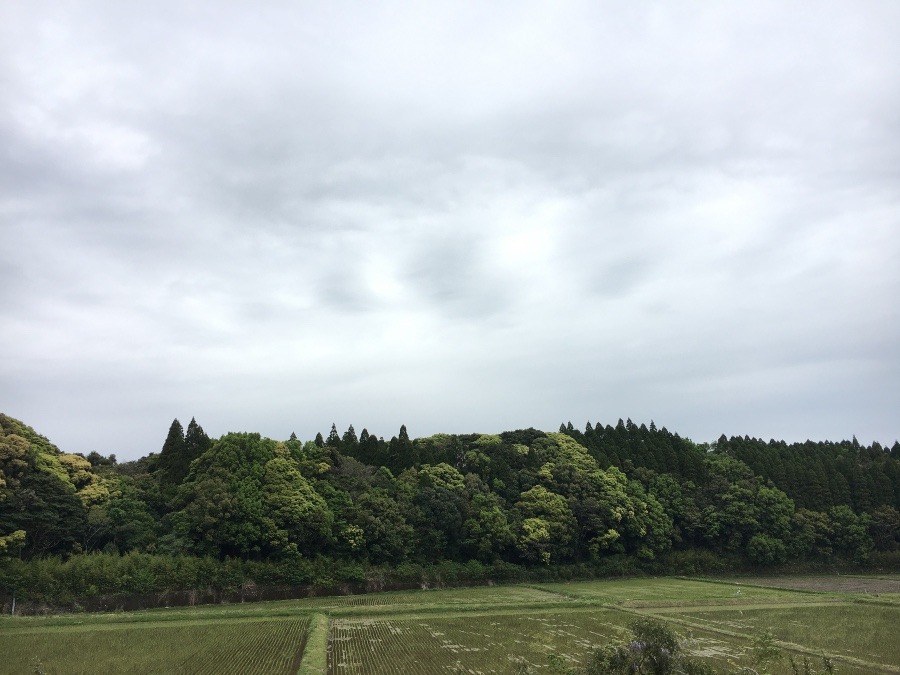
(459, 217)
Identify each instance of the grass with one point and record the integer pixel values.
(315, 657)
(477, 630)
(246, 646)
(488, 643)
(675, 592)
(859, 633)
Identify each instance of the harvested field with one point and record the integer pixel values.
(830, 584)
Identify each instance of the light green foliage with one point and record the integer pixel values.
(315, 654)
(12, 542)
(38, 494)
(488, 442)
(487, 531)
(246, 495)
(442, 477)
(571, 452)
(91, 488)
(22, 447)
(300, 516)
(548, 526)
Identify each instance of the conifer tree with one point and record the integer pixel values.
(349, 442)
(171, 457)
(196, 442)
(334, 439)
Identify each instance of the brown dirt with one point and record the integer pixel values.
(830, 584)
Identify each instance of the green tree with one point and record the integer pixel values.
(437, 493)
(884, 528)
(402, 452)
(487, 532)
(246, 496)
(172, 462)
(810, 535)
(547, 527)
(123, 522)
(349, 442)
(334, 438)
(387, 537)
(37, 494)
(850, 533)
(196, 442)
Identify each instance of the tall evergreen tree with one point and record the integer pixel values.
(171, 461)
(334, 439)
(402, 452)
(196, 442)
(349, 442)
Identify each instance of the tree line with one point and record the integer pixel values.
(525, 497)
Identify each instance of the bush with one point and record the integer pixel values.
(653, 649)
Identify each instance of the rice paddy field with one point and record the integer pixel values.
(546, 628)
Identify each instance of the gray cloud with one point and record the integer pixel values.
(457, 217)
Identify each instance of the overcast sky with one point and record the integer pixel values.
(460, 216)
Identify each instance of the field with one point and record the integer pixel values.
(498, 629)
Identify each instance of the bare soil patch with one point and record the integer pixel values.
(830, 584)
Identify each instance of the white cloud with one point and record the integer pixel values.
(457, 216)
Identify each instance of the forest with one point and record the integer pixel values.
(244, 508)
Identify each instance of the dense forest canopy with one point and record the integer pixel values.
(527, 496)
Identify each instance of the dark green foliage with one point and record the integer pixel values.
(196, 442)
(385, 534)
(818, 476)
(47, 510)
(334, 439)
(349, 442)
(171, 459)
(618, 499)
(884, 528)
(37, 495)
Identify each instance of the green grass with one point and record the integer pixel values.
(675, 592)
(314, 658)
(858, 632)
(477, 630)
(244, 645)
(489, 643)
(494, 643)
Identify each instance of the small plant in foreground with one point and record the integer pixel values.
(765, 652)
(653, 650)
(806, 668)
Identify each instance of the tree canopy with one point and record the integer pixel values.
(523, 496)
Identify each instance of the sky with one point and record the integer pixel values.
(458, 216)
